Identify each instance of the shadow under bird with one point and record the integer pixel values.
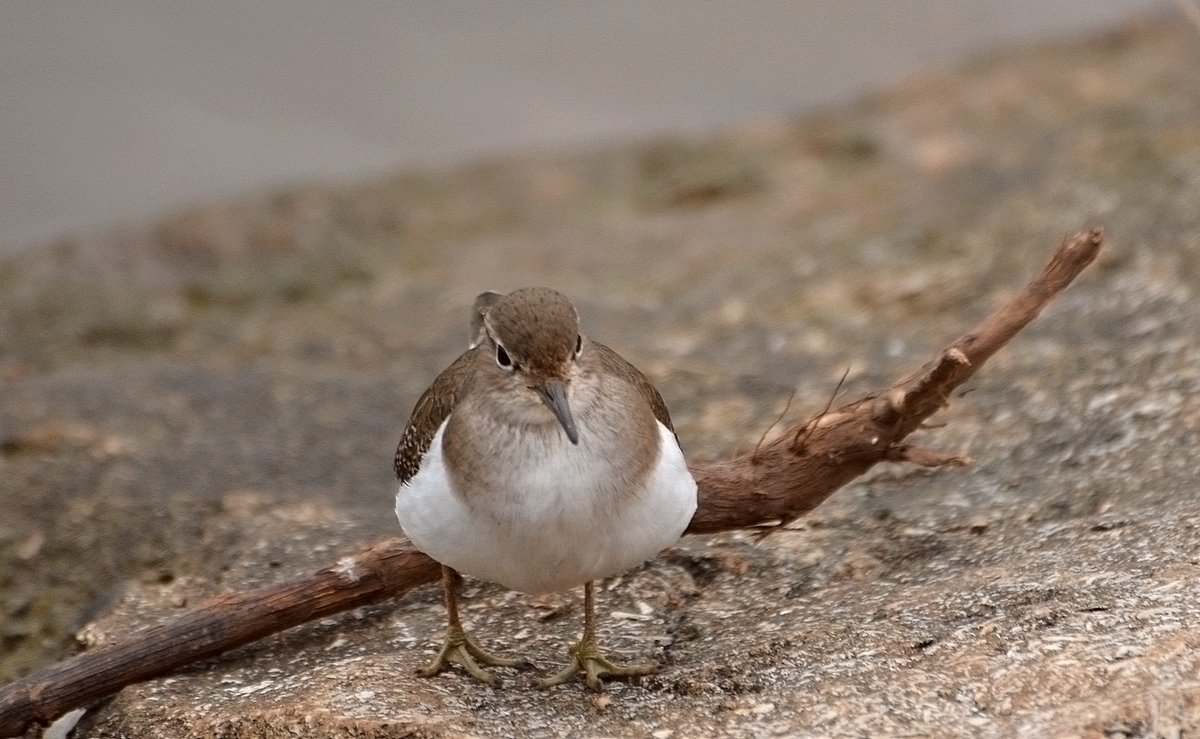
(540, 460)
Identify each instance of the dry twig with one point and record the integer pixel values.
(775, 483)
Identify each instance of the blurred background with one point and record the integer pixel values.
(116, 111)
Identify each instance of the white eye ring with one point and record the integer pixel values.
(578, 345)
(503, 359)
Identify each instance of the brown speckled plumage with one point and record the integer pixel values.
(615, 364)
(431, 409)
(437, 402)
(539, 460)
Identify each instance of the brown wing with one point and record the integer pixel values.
(431, 409)
(616, 364)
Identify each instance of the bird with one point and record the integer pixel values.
(540, 460)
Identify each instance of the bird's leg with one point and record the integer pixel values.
(460, 648)
(587, 658)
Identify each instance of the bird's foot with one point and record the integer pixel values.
(462, 649)
(587, 659)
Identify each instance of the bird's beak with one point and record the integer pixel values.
(554, 394)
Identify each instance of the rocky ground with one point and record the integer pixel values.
(212, 403)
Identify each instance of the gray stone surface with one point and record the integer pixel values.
(212, 404)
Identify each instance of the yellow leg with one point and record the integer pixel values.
(587, 658)
(458, 648)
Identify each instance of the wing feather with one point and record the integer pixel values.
(616, 364)
(431, 410)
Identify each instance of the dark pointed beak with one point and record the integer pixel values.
(554, 395)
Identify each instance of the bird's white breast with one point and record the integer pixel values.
(551, 522)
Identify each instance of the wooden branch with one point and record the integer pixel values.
(793, 474)
(223, 623)
(774, 484)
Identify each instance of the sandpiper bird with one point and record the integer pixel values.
(539, 460)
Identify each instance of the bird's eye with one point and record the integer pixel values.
(578, 345)
(503, 359)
